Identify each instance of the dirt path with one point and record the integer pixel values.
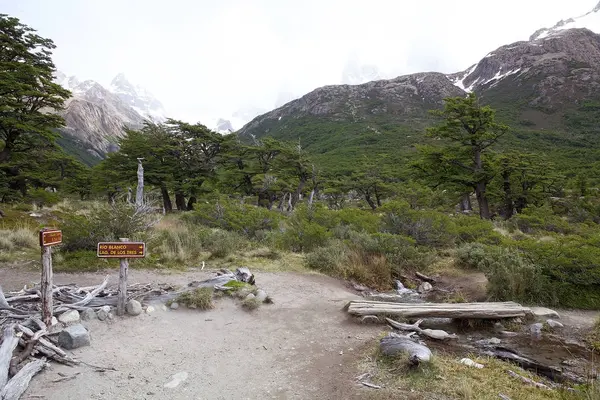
(301, 347)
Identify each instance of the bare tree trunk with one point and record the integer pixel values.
(180, 201)
(190, 204)
(166, 199)
(311, 198)
(465, 203)
(139, 194)
(484, 208)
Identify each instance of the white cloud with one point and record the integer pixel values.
(209, 57)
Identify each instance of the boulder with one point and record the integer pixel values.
(69, 317)
(425, 287)
(536, 329)
(134, 307)
(102, 314)
(174, 306)
(73, 337)
(554, 324)
(261, 295)
(88, 314)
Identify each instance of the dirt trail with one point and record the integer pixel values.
(301, 347)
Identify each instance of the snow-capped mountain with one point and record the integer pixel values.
(95, 115)
(138, 98)
(355, 73)
(589, 20)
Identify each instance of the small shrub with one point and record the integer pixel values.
(201, 298)
(427, 228)
(510, 275)
(5, 243)
(178, 244)
(250, 304)
(23, 238)
(475, 229)
(222, 243)
(42, 198)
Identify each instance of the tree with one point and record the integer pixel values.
(27, 95)
(470, 129)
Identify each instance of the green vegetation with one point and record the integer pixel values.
(446, 377)
(200, 298)
(371, 200)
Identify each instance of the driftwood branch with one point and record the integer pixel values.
(424, 277)
(431, 333)
(10, 340)
(19, 383)
(527, 380)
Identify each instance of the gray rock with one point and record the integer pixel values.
(554, 324)
(102, 314)
(134, 307)
(174, 306)
(536, 329)
(106, 308)
(54, 321)
(150, 309)
(542, 312)
(69, 317)
(88, 314)
(261, 295)
(73, 337)
(369, 319)
(250, 296)
(425, 287)
(498, 327)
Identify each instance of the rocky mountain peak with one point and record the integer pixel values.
(589, 20)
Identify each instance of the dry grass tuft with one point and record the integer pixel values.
(201, 298)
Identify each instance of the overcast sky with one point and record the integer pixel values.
(211, 57)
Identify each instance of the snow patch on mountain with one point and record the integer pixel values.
(459, 81)
(589, 20)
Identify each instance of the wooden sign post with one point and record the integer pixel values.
(122, 250)
(48, 238)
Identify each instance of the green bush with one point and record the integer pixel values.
(42, 198)
(475, 229)
(535, 219)
(428, 228)
(510, 275)
(222, 243)
(245, 219)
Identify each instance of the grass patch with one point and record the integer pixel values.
(250, 304)
(201, 298)
(445, 377)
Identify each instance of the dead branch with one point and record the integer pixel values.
(20, 382)
(10, 340)
(527, 380)
(424, 277)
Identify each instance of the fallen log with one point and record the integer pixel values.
(393, 345)
(443, 310)
(10, 340)
(20, 382)
(526, 363)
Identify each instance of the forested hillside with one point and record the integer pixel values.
(364, 182)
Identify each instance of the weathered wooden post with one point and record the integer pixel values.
(48, 238)
(139, 195)
(122, 250)
(122, 291)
